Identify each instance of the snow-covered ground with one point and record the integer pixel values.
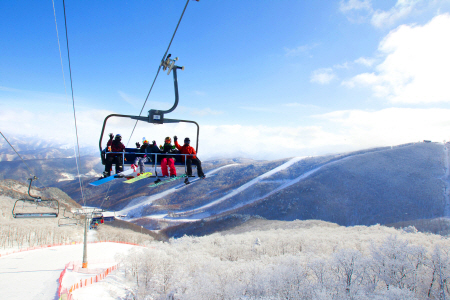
(34, 274)
(139, 203)
(283, 184)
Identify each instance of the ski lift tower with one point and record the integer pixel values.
(87, 213)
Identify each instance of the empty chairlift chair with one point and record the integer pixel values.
(35, 207)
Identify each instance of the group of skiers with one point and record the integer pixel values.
(146, 150)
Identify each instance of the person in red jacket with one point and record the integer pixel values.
(116, 146)
(190, 159)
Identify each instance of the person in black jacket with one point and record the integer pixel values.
(141, 158)
(116, 157)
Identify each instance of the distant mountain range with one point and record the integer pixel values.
(34, 148)
(381, 185)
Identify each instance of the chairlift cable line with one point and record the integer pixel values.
(106, 196)
(28, 167)
(62, 71)
(159, 68)
(73, 105)
(64, 81)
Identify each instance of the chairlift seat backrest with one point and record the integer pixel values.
(25, 208)
(132, 153)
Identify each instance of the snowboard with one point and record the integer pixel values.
(164, 181)
(112, 177)
(137, 178)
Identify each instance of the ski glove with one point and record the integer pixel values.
(175, 138)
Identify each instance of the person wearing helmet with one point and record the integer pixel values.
(116, 146)
(168, 160)
(141, 158)
(190, 159)
(111, 139)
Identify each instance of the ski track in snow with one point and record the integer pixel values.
(234, 192)
(445, 179)
(287, 184)
(250, 183)
(151, 199)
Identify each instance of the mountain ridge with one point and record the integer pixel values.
(379, 185)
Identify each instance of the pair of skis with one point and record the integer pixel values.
(158, 182)
(124, 174)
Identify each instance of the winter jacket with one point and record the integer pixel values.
(143, 149)
(117, 146)
(153, 149)
(186, 150)
(167, 148)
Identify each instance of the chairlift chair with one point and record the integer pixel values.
(36, 207)
(68, 221)
(154, 117)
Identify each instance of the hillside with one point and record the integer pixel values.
(400, 184)
(19, 233)
(380, 185)
(406, 183)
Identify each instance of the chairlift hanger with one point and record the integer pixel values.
(154, 116)
(42, 207)
(68, 221)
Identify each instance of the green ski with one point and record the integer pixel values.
(164, 181)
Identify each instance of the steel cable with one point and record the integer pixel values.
(159, 69)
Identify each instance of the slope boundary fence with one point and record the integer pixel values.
(65, 293)
(61, 244)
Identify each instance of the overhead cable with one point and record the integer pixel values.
(28, 167)
(73, 100)
(159, 68)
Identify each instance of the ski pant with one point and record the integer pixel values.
(110, 160)
(139, 161)
(171, 164)
(196, 162)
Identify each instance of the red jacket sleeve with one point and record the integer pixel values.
(177, 145)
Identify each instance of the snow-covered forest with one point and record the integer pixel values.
(307, 260)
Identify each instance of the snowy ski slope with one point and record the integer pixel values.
(34, 274)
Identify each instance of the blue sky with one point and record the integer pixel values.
(264, 79)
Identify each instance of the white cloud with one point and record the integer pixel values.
(356, 11)
(205, 112)
(390, 126)
(349, 5)
(7, 89)
(129, 99)
(334, 132)
(363, 11)
(323, 76)
(257, 108)
(300, 50)
(416, 64)
(199, 93)
(264, 142)
(301, 105)
(368, 62)
(387, 18)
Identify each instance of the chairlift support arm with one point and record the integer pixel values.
(37, 201)
(157, 116)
